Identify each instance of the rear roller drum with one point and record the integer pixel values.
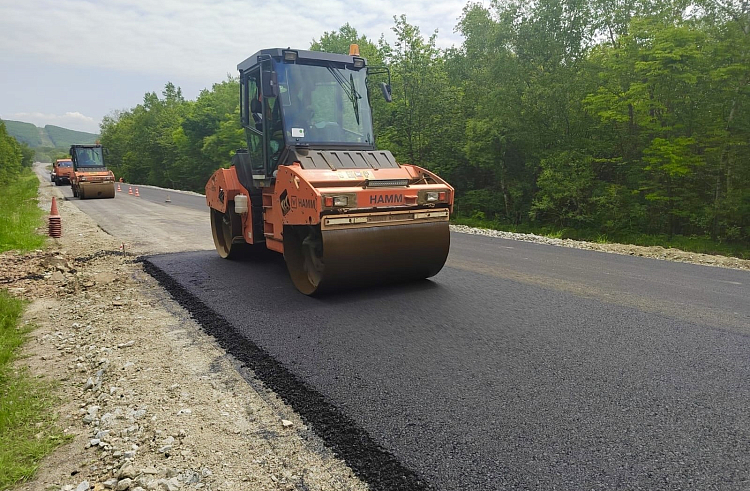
(303, 253)
(224, 231)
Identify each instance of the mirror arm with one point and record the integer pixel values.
(385, 88)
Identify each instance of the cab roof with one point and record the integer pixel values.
(302, 55)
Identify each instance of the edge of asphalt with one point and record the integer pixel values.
(369, 461)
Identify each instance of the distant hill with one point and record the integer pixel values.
(49, 136)
(49, 141)
(24, 132)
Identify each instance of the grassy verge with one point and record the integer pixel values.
(691, 244)
(20, 214)
(27, 428)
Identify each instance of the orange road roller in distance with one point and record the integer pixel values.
(90, 177)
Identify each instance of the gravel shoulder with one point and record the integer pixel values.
(151, 401)
(654, 252)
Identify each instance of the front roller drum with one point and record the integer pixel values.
(329, 260)
(96, 190)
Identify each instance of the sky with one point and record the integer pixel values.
(71, 62)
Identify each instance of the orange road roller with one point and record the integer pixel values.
(90, 177)
(312, 185)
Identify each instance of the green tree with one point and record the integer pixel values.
(11, 155)
(209, 133)
(566, 190)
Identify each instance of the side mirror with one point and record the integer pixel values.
(258, 120)
(270, 84)
(386, 91)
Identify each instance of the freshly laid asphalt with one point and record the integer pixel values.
(519, 366)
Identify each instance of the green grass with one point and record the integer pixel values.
(27, 424)
(20, 214)
(690, 244)
(27, 427)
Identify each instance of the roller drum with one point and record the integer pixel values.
(355, 257)
(97, 190)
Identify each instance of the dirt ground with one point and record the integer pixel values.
(151, 401)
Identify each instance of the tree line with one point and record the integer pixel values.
(14, 156)
(614, 116)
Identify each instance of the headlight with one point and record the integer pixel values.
(336, 201)
(433, 197)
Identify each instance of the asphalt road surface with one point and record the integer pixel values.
(519, 366)
(158, 220)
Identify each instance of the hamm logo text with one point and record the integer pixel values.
(378, 199)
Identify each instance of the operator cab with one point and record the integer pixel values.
(88, 157)
(295, 101)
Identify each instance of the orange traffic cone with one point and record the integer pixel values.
(55, 222)
(130, 190)
(118, 187)
(136, 193)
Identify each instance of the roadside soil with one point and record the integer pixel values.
(150, 400)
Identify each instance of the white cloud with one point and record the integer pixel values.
(94, 56)
(70, 120)
(197, 37)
